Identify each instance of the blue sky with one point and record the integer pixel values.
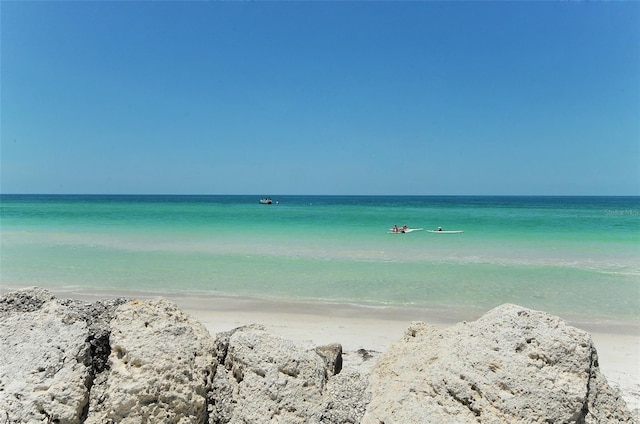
(320, 97)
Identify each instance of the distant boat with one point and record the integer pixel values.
(266, 201)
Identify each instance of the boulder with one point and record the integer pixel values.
(512, 365)
(131, 361)
(346, 395)
(49, 353)
(265, 378)
(160, 367)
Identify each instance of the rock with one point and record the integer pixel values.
(346, 393)
(49, 351)
(128, 361)
(159, 370)
(27, 300)
(332, 355)
(266, 378)
(512, 365)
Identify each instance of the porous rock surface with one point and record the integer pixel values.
(513, 365)
(265, 378)
(50, 351)
(130, 361)
(159, 369)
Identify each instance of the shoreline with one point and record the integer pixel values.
(438, 316)
(376, 328)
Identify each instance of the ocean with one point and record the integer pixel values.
(577, 257)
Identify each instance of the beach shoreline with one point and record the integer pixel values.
(438, 316)
(377, 328)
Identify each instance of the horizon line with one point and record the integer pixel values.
(319, 195)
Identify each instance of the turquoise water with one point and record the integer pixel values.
(573, 256)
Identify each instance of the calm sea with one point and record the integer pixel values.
(572, 256)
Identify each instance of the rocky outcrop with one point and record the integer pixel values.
(513, 365)
(129, 361)
(159, 370)
(50, 352)
(265, 378)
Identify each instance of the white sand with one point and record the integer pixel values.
(356, 327)
(618, 344)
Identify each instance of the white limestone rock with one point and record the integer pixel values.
(346, 395)
(159, 370)
(512, 365)
(147, 361)
(49, 349)
(266, 378)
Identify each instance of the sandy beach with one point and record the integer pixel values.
(376, 329)
(358, 327)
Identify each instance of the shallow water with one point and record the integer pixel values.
(573, 256)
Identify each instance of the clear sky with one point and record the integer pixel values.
(275, 98)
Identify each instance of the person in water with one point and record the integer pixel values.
(395, 229)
